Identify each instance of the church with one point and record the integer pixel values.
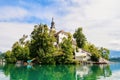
(60, 34)
(79, 55)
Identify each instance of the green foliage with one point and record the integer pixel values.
(95, 54)
(2, 55)
(8, 54)
(10, 58)
(42, 44)
(67, 50)
(20, 51)
(104, 53)
(80, 38)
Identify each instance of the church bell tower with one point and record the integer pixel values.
(52, 28)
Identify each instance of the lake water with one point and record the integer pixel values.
(60, 72)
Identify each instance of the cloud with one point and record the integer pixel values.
(115, 44)
(12, 12)
(102, 9)
(11, 32)
(100, 19)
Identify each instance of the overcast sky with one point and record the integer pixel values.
(100, 19)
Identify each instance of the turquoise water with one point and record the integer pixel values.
(60, 72)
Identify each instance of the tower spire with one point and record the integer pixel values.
(52, 19)
(52, 24)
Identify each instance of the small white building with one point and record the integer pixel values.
(82, 55)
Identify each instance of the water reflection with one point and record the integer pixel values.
(56, 72)
(87, 72)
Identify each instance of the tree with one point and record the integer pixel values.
(80, 38)
(20, 51)
(10, 58)
(22, 40)
(67, 50)
(91, 48)
(42, 44)
(104, 53)
(17, 51)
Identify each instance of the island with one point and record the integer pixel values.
(49, 46)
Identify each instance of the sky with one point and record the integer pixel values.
(100, 19)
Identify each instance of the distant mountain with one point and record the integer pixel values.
(115, 59)
(114, 54)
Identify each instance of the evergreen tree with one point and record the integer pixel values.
(67, 50)
(104, 53)
(80, 38)
(42, 44)
(20, 51)
(10, 58)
